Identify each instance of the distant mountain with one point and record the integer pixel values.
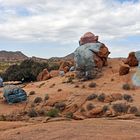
(12, 56)
(67, 57)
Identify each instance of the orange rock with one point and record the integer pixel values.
(131, 60)
(96, 111)
(65, 66)
(54, 73)
(124, 70)
(44, 75)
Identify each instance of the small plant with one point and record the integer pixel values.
(2, 118)
(82, 110)
(120, 108)
(91, 97)
(92, 85)
(46, 97)
(32, 113)
(53, 112)
(42, 112)
(105, 108)
(137, 114)
(38, 100)
(128, 98)
(60, 106)
(133, 110)
(101, 97)
(59, 90)
(69, 115)
(126, 86)
(83, 86)
(76, 86)
(32, 93)
(90, 106)
(112, 79)
(70, 80)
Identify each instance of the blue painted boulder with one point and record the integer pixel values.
(136, 76)
(14, 94)
(1, 82)
(89, 58)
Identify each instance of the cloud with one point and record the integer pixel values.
(65, 21)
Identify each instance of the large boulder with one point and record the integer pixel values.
(131, 60)
(44, 75)
(88, 38)
(136, 77)
(89, 58)
(124, 69)
(14, 94)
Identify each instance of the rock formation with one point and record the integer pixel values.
(136, 77)
(65, 66)
(44, 75)
(88, 38)
(90, 55)
(131, 60)
(124, 69)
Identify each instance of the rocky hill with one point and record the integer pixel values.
(12, 56)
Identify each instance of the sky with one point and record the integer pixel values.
(49, 28)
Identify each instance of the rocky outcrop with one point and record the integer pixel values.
(131, 60)
(65, 66)
(124, 69)
(44, 75)
(90, 56)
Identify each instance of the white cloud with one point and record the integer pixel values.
(66, 20)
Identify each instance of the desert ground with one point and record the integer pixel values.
(85, 126)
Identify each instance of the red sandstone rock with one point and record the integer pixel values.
(54, 73)
(131, 60)
(124, 70)
(44, 75)
(88, 38)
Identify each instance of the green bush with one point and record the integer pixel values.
(69, 115)
(53, 112)
(27, 71)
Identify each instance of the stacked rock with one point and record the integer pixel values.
(136, 77)
(90, 56)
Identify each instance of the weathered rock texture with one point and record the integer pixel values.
(44, 75)
(131, 60)
(136, 77)
(90, 55)
(65, 66)
(88, 38)
(124, 69)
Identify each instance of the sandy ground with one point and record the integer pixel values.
(89, 129)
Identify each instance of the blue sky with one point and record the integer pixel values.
(48, 28)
